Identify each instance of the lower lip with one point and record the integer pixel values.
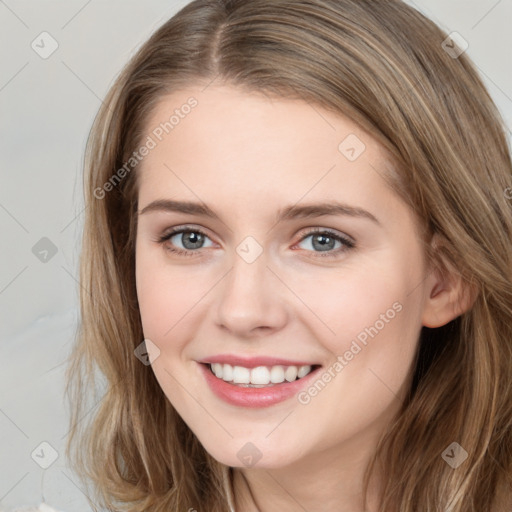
(254, 397)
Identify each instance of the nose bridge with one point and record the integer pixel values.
(249, 298)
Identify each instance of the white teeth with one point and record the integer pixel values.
(259, 376)
(217, 369)
(241, 375)
(290, 373)
(303, 371)
(227, 372)
(277, 374)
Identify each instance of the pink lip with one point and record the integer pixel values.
(254, 397)
(253, 362)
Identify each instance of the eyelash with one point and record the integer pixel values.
(347, 242)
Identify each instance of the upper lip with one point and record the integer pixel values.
(253, 362)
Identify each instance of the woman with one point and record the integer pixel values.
(297, 268)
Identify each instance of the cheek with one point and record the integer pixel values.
(169, 297)
(165, 297)
(157, 293)
(370, 324)
(346, 303)
(376, 322)
(155, 301)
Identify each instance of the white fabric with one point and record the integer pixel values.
(42, 508)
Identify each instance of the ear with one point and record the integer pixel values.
(449, 296)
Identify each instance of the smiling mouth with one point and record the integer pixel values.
(260, 376)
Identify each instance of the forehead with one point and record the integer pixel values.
(226, 146)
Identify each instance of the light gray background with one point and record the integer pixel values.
(46, 110)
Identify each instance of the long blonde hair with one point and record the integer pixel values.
(384, 65)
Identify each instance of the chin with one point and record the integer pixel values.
(244, 453)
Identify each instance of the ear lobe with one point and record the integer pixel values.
(449, 296)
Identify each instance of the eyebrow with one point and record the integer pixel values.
(288, 213)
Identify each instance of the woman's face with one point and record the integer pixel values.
(291, 257)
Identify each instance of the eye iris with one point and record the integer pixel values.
(195, 239)
(326, 243)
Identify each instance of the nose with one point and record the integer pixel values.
(251, 300)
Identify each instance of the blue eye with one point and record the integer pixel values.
(190, 239)
(324, 242)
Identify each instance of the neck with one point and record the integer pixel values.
(330, 481)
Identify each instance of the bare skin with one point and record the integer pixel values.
(248, 157)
